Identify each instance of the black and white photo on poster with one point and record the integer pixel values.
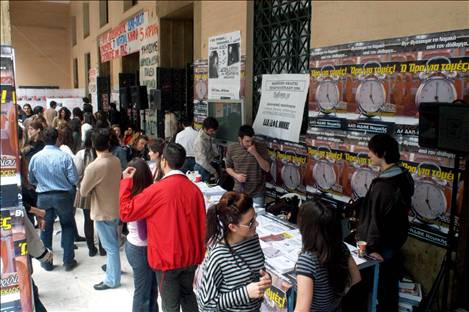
(224, 66)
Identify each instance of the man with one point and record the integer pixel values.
(113, 114)
(75, 126)
(51, 113)
(174, 210)
(204, 149)
(170, 125)
(187, 138)
(54, 175)
(247, 162)
(384, 216)
(101, 181)
(139, 148)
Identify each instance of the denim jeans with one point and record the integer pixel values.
(189, 164)
(59, 204)
(259, 201)
(146, 288)
(107, 231)
(176, 289)
(204, 173)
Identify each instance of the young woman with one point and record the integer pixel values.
(325, 269)
(233, 277)
(65, 140)
(63, 117)
(155, 152)
(146, 288)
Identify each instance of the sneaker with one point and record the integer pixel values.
(92, 252)
(70, 266)
(101, 286)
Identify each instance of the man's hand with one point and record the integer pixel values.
(252, 150)
(240, 177)
(128, 172)
(41, 223)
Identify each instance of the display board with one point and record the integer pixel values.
(15, 286)
(230, 116)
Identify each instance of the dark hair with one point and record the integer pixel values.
(141, 137)
(142, 177)
(385, 146)
(186, 122)
(88, 143)
(210, 123)
(49, 136)
(36, 124)
(67, 113)
(175, 155)
(38, 110)
(245, 130)
(77, 113)
(157, 146)
(113, 139)
(101, 139)
(53, 104)
(88, 118)
(321, 232)
(230, 208)
(66, 137)
(27, 104)
(101, 124)
(41, 119)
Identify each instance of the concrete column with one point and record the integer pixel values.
(5, 34)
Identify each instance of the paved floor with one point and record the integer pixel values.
(73, 291)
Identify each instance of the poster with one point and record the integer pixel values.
(224, 66)
(281, 107)
(124, 39)
(93, 74)
(149, 56)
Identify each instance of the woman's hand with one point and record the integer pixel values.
(128, 172)
(256, 290)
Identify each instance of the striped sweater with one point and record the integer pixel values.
(226, 274)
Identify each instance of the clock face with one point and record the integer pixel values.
(201, 89)
(371, 96)
(273, 170)
(428, 201)
(327, 95)
(436, 89)
(361, 181)
(291, 176)
(324, 174)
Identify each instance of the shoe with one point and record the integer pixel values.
(75, 247)
(80, 239)
(102, 252)
(104, 267)
(92, 252)
(48, 266)
(70, 266)
(101, 286)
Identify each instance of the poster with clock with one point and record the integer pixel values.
(359, 173)
(291, 167)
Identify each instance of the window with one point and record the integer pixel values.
(129, 3)
(75, 73)
(87, 70)
(86, 19)
(74, 30)
(103, 12)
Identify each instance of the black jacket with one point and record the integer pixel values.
(383, 217)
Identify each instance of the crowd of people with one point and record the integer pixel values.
(133, 188)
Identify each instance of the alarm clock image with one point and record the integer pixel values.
(324, 174)
(371, 94)
(361, 181)
(200, 89)
(273, 170)
(327, 92)
(291, 176)
(429, 201)
(436, 86)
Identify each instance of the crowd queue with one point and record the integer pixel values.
(133, 188)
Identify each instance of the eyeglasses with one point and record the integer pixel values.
(252, 222)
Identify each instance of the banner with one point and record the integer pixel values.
(224, 66)
(149, 56)
(93, 74)
(281, 107)
(124, 39)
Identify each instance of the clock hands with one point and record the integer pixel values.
(428, 202)
(436, 92)
(371, 94)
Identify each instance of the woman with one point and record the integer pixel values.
(117, 150)
(86, 126)
(65, 139)
(146, 288)
(233, 277)
(155, 152)
(82, 159)
(130, 135)
(325, 269)
(63, 117)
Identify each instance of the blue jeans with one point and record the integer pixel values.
(259, 201)
(59, 204)
(204, 173)
(146, 288)
(107, 231)
(189, 164)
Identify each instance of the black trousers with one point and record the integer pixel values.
(175, 287)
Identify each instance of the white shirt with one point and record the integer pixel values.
(187, 138)
(84, 128)
(133, 237)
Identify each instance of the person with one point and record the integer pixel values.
(383, 216)
(35, 143)
(75, 126)
(204, 150)
(101, 183)
(187, 138)
(86, 126)
(130, 135)
(325, 270)
(213, 65)
(20, 113)
(139, 148)
(62, 118)
(174, 210)
(55, 176)
(146, 288)
(114, 115)
(82, 159)
(36, 113)
(170, 125)
(65, 139)
(117, 150)
(51, 113)
(28, 112)
(233, 277)
(155, 153)
(247, 161)
(118, 132)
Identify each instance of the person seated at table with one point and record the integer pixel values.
(205, 151)
(233, 274)
(325, 270)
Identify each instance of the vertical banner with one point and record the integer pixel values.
(149, 56)
(224, 66)
(281, 107)
(15, 285)
(93, 87)
(200, 92)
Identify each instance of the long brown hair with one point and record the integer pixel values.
(142, 177)
(157, 147)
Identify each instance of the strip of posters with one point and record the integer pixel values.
(281, 107)
(15, 286)
(149, 56)
(224, 66)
